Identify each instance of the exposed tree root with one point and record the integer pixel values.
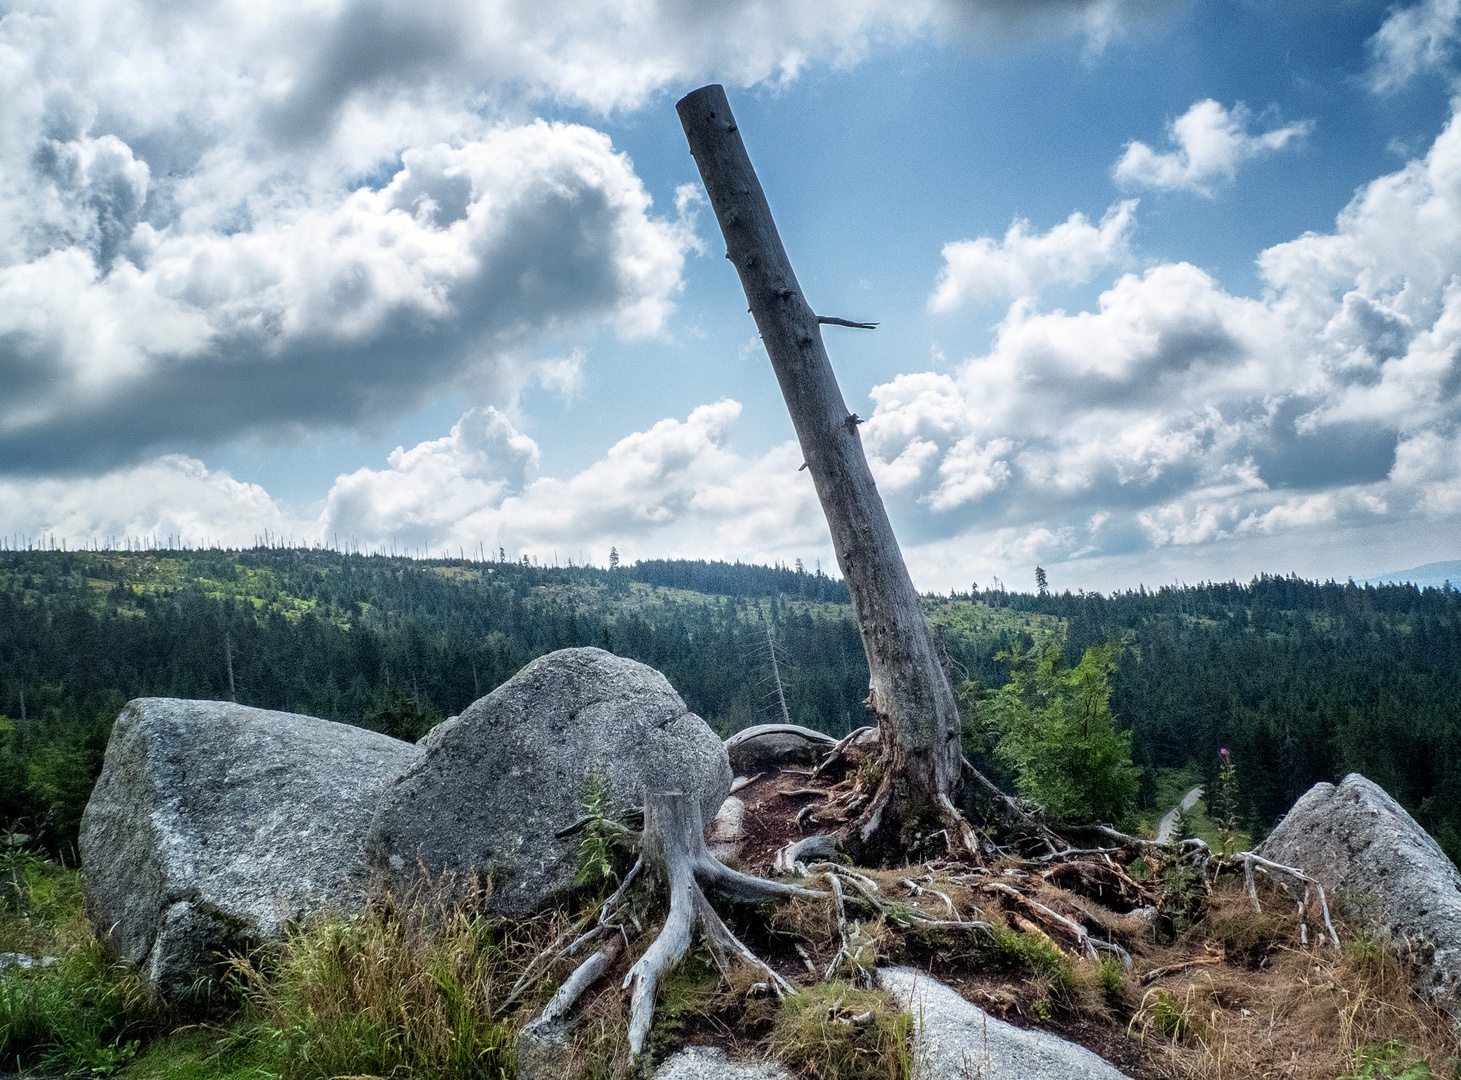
(838, 753)
(673, 851)
(1003, 810)
(1171, 969)
(1253, 862)
(1087, 944)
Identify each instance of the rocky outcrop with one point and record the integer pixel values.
(1382, 867)
(493, 790)
(954, 1038)
(775, 746)
(213, 825)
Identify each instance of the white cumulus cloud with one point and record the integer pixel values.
(341, 311)
(1177, 414)
(223, 220)
(675, 489)
(1415, 39)
(1211, 142)
(1024, 263)
(173, 498)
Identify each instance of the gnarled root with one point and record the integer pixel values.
(1253, 862)
(674, 849)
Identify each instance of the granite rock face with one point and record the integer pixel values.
(955, 1038)
(1377, 863)
(492, 791)
(213, 825)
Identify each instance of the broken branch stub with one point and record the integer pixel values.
(917, 715)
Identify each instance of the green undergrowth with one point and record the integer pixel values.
(1388, 1060)
(233, 1051)
(78, 1012)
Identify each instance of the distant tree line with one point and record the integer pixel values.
(1300, 681)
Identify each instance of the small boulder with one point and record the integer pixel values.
(491, 792)
(1379, 865)
(213, 825)
(953, 1037)
(544, 1049)
(775, 746)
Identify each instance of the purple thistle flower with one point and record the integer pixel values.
(1223, 751)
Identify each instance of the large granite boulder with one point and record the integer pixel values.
(1380, 866)
(776, 746)
(498, 783)
(954, 1038)
(213, 825)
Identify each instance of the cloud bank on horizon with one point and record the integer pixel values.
(251, 223)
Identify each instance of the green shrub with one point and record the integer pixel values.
(1390, 1060)
(1110, 976)
(1057, 732)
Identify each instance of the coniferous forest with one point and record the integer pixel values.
(1300, 681)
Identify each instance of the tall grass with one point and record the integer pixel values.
(410, 986)
(80, 1011)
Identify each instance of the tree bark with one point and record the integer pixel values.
(918, 719)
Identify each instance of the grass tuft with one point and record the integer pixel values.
(833, 1031)
(81, 1012)
(409, 987)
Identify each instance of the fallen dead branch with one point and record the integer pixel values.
(1091, 946)
(1171, 969)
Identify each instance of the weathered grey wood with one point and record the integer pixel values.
(674, 850)
(917, 716)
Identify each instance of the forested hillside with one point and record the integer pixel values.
(1301, 681)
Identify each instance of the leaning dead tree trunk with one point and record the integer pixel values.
(918, 719)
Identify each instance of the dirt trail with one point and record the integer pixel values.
(1169, 819)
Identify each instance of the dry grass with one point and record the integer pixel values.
(1274, 1009)
(833, 1031)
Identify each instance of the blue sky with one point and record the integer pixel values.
(1166, 291)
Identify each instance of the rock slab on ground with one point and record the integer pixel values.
(955, 1038)
(1378, 864)
(214, 824)
(23, 961)
(710, 1063)
(495, 787)
(775, 746)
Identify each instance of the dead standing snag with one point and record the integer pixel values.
(918, 719)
